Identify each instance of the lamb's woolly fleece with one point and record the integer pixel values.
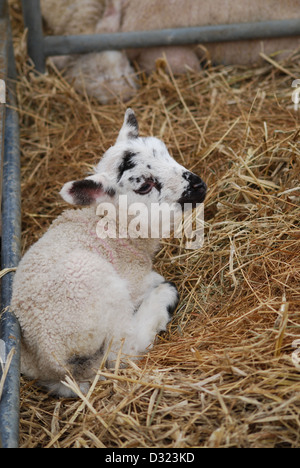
(54, 292)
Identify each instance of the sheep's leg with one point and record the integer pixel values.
(153, 315)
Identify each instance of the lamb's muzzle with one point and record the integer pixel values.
(195, 192)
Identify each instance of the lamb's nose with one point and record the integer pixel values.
(196, 183)
(199, 190)
(199, 185)
(195, 191)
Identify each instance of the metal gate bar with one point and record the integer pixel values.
(40, 47)
(61, 45)
(10, 250)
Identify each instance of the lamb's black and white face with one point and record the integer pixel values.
(140, 168)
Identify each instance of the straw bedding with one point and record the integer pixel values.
(225, 373)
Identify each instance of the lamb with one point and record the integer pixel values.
(78, 295)
(108, 74)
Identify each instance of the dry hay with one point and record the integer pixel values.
(223, 374)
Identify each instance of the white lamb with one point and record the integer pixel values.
(75, 293)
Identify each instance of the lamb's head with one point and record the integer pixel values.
(140, 168)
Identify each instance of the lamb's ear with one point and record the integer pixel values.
(87, 191)
(130, 128)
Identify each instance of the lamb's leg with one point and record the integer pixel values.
(152, 316)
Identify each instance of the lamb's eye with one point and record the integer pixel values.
(146, 187)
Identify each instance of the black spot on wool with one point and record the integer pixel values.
(126, 164)
(82, 365)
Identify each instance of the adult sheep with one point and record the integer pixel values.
(110, 74)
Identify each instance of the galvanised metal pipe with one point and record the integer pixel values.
(35, 41)
(81, 44)
(10, 256)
